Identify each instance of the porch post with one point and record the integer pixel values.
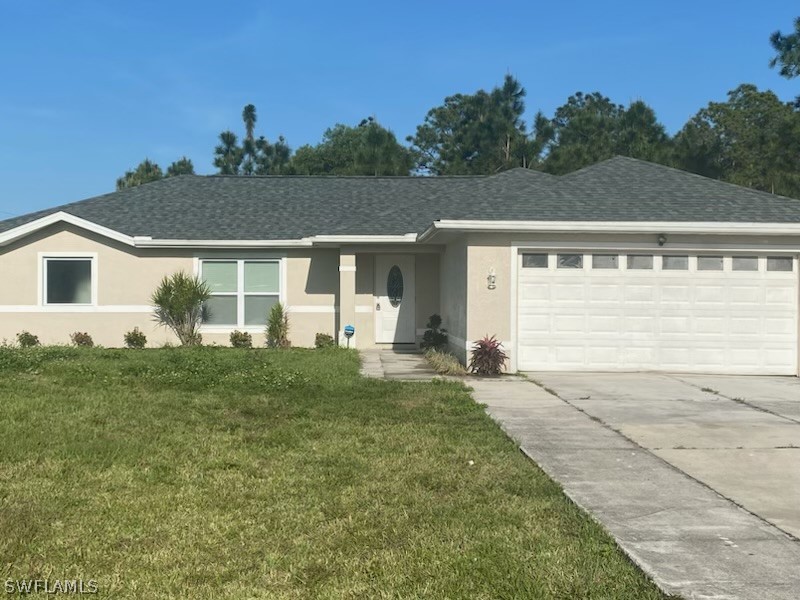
(347, 294)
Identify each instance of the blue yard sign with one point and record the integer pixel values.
(349, 331)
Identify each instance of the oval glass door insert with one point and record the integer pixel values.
(394, 286)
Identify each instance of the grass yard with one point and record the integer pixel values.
(221, 473)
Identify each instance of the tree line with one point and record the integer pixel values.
(751, 139)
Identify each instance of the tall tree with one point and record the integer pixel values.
(145, 172)
(272, 159)
(182, 166)
(590, 128)
(228, 154)
(478, 133)
(367, 149)
(255, 156)
(788, 53)
(753, 139)
(249, 118)
(249, 149)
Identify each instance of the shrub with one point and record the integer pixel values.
(81, 339)
(488, 357)
(26, 339)
(241, 339)
(278, 327)
(323, 340)
(135, 339)
(445, 363)
(435, 337)
(179, 304)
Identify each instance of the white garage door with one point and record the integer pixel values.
(614, 311)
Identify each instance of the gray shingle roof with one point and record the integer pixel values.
(281, 208)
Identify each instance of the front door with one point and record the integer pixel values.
(395, 318)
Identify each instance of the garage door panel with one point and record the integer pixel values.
(534, 325)
(777, 326)
(709, 294)
(746, 325)
(782, 296)
(603, 356)
(569, 293)
(536, 291)
(675, 324)
(637, 324)
(751, 295)
(710, 325)
(606, 292)
(603, 324)
(702, 321)
(676, 294)
(640, 293)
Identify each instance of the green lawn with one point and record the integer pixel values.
(220, 473)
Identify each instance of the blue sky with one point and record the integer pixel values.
(89, 89)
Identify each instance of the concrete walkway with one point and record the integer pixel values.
(690, 540)
(409, 365)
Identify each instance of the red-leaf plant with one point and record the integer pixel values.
(488, 357)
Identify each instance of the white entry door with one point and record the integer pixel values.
(395, 318)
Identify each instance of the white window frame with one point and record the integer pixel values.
(44, 258)
(240, 294)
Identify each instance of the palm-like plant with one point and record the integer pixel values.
(178, 304)
(249, 118)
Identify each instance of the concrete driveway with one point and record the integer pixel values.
(738, 435)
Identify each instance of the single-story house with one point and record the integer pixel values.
(623, 265)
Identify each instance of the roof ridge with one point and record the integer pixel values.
(337, 176)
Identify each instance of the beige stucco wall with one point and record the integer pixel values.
(126, 278)
(453, 294)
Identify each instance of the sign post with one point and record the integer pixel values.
(349, 331)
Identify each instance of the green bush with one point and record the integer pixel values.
(241, 339)
(278, 327)
(323, 340)
(434, 338)
(179, 304)
(81, 339)
(135, 339)
(26, 339)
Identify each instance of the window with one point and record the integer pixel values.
(605, 261)
(709, 263)
(242, 291)
(744, 263)
(640, 261)
(68, 280)
(675, 263)
(779, 263)
(570, 261)
(534, 261)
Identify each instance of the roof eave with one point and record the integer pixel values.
(665, 227)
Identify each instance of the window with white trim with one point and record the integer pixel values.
(779, 263)
(709, 263)
(640, 261)
(68, 280)
(242, 291)
(605, 261)
(534, 261)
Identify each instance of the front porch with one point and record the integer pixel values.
(387, 295)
